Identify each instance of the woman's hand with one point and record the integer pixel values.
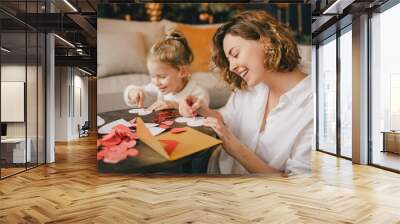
(231, 144)
(191, 106)
(136, 97)
(163, 105)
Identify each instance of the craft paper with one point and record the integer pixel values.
(189, 142)
(177, 130)
(156, 130)
(140, 111)
(150, 125)
(195, 122)
(181, 119)
(191, 121)
(105, 129)
(100, 121)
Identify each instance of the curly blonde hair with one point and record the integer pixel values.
(281, 52)
(173, 50)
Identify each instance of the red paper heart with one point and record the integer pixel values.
(169, 145)
(121, 130)
(177, 130)
(132, 152)
(165, 115)
(133, 135)
(111, 141)
(109, 135)
(101, 154)
(164, 126)
(117, 145)
(121, 148)
(128, 143)
(98, 143)
(114, 157)
(168, 123)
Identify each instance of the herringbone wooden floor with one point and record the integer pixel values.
(71, 191)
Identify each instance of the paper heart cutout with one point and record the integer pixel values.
(168, 123)
(169, 145)
(177, 130)
(132, 152)
(164, 126)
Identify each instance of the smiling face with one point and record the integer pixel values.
(246, 58)
(165, 77)
(264, 47)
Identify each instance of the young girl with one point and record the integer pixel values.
(267, 124)
(168, 63)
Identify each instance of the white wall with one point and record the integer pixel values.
(33, 127)
(62, 80)
(79, 117)
(14, 73)
(67, 116)
(17, 73)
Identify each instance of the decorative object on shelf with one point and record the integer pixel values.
(154, 11)
(128, 17)
(206, 17)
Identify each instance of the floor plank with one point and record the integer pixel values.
(72, 191)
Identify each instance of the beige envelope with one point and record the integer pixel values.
(189, 142)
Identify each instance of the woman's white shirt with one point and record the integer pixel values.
(286, 142)
(191, 88)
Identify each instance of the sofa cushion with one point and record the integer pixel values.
(152, 31)
(120, 53)
(199, 38)
(110, 91)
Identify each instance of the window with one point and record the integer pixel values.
(346, 75)
(22, 66)
(327, 96)
(385, 88)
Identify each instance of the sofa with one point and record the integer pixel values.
(122, 48)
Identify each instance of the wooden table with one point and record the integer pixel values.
(14, 153)
(391, 141)
(148, 161)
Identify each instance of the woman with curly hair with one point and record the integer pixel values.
(267, 124)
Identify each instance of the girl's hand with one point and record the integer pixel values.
(163, 105)
(136, 96)
(231, 144)
(191, 106)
